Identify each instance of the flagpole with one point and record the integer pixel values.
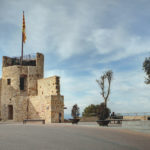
(22, 50)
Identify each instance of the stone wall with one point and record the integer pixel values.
(47, 108)
(39, 108)
(49, 86)
(135, 117)
(40, 65)
(57, 108)
(11, 93)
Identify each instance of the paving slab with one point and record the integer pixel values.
(70, 137)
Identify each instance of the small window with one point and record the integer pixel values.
(8, 81)
(22, 83)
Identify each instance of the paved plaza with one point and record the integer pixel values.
(70, 137)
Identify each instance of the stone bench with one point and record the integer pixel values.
(37, 121)
(115, 121)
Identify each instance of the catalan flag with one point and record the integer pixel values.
(23, 29)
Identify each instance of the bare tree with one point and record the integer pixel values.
(107, 76)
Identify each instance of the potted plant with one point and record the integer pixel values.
(104, 111)
(103, 114)
(75, 114)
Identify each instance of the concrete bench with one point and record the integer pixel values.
(115, 121)
(37, 121)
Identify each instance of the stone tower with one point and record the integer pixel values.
(25, 94)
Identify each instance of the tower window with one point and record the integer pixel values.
(22, 80)
(57, 87)
(8, 81)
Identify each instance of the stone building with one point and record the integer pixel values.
(25, 94)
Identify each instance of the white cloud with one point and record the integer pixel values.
(129, 93)
(117, 43)
(53, 26)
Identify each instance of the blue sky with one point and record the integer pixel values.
(81, 39)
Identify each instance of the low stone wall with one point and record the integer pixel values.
(94, 119)
(136, 117)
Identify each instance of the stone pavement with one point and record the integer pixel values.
(70, 137)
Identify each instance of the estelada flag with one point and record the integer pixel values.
(23, 29)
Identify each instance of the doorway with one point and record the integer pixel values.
(10, 112)
(59, 117)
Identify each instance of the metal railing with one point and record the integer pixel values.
(27, 57)
(124, 114)
(134, 114)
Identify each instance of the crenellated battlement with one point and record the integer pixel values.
(28, 60)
